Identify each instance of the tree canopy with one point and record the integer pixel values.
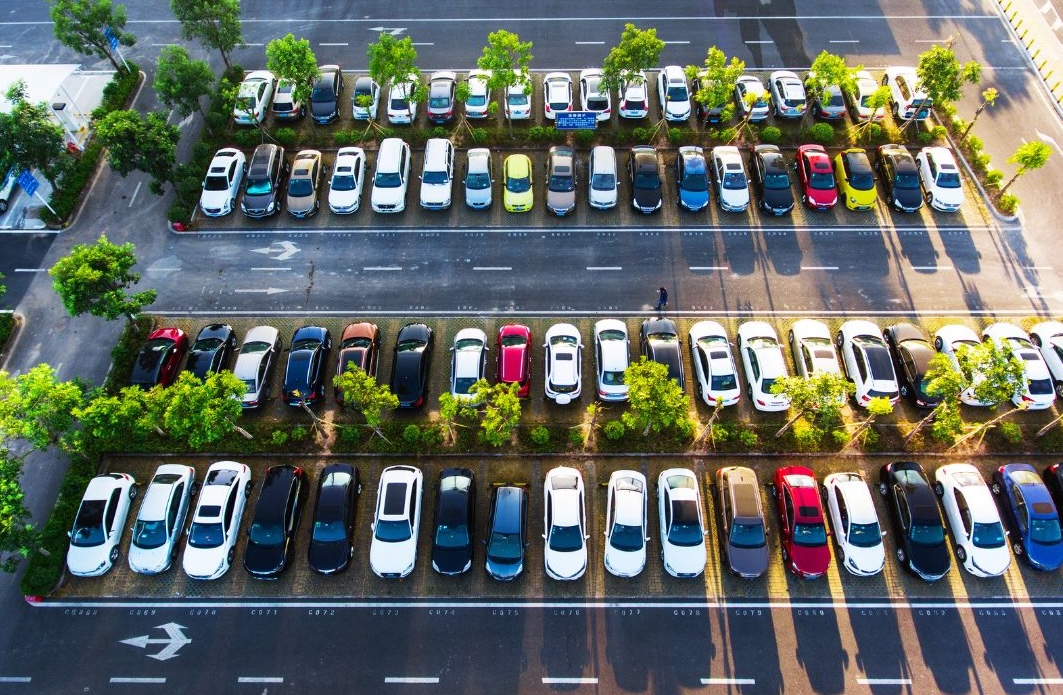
(942, 76)
(361, 391)
(504, 54)
(655, 402)
(38, 408)
(828, 70)
(1029, 156)
(639, 49)
(140, 143)
(29, 136)
(716, 89)
(293, 59)
(216, 23)
(17, 536)
(94, 279)
(80, 26)
(181, 81)
(500, 413)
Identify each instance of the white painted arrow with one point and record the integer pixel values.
(394, 31)
(283, 249)
(1049, 139)
(175, 639)
(268, 290)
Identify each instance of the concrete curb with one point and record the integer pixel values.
(1033, 38)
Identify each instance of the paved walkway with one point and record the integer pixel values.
(1039, 28)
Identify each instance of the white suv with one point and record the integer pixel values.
(393, 550)
(981, 543)
(908, 99)
(940, 178)
(392, 176)
(437, 177)
(674, 93)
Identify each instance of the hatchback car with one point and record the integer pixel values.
(752, 99)
(468, 362)
(626, 523)
(659, 342)
(402, 109)
(802, 524)
(264, 182)
(563, 355)
(359, 347)
(816, 177)
(221, 186)
(729, 177)
(561, 180)
(160, 523)
(593, 97)
(332, 528)
(828, 104)
(771, 178)
(979, 537)
(517, 192)
(940, 179)
(714, 364)
(304, 379)
(645, 179)
(1031, 515)
(743, 537)
(787, 94)
(859, 99)
(479, 177)
(762, 360)
(254, 364)
(855, 522)
(611, 347)
(856, 179)
(365, 99)
(253, 96)
(681, 522)
(210, 351)
(410, 364)
(951, 340)
(601, 171)
(674, 94)
(455, 522)
(900, 177)
(518, 98)
(557, 94)
(564, 524)
(285, 107)
(634, 97)
(513, 357)
(692, 178)
(325, 96)
(911, 359)
(477, 104)
(159, 361)
(271, 538)
(507, 532)
(215, 527)
(1037, 392)
(392, 176)
(348, 175)
(96, 535)
(393, 550)
(437, 176)
(442, 86)
(304, 184)
(1048, 337)
(919, 532)
(812, 349)
(867, 362)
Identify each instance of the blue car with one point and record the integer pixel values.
(692, 178)
(304, 379)
(1031, 514)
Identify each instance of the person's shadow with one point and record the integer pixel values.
(777, 16)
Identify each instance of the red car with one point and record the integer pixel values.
(360, 346)
(802, 530)
(160, 359)
(514, 357)
(816, 174)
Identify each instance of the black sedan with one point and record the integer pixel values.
(900, 176)
(645, 179)
(920, 533)
(272, 533)
(409, 368)
(211, 350)
(660, 343)
(911, 357)
(332, 532)
(507, 537)
(304, 379)
(325, 98)
(455, 521)
(771, 178)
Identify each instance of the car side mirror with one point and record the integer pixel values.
(883, 534)
(544, 536)
(484, 541)
(69, 534)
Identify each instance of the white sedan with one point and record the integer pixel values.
(611, 359)
(557, 94)
(393, 550)
(868, 362)
(812, 348)
(763, 362)
(626, 524)
(221, 186)
(564, 524)
(468, 359)
(161, 520)
(477, 104)
(981, 543)
(97, 530)
(564, 359)
(714, 364)
(855, 523)
(729, 177)
(401, 106)
(1037, 392)
(345, 188)
(215, 526)
(950, 340)
(1048, 337)
(682, 523)
(940, 178)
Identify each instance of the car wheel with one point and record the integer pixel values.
(939, 489)
(1059, 389)
(785, 555)
(231, 555)
(3, 206)
(1017, 549)
(904, 391)
(961, 554)
(1035, 339)
(749, 392)
(114, 554)
(938, 343)
(995, 488)
(882, 489)
(930, 198)
(132, 492)
(902, 556)
(790, 337)
(838, 340)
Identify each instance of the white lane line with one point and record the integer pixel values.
(135, 191)
(492, 267)
(260, 679)
(845, 41)
(605, 267)
(164, 269)
(671, 42)
(253, 44)
(547, 680)
(15, 679)
(884, 681)
(819, 267)
(411, 679)
(423, 43)
(1037, 267)
(1037, 681)
(265, 268)
(31, 270)
(931, 40)
(590, 43)
(931, 267)
(728, 681)
(708, 267)
(138, 681)
(382, 267)
(759, 42)
(339, 43)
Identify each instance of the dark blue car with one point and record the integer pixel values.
(304, 379)
(1031, 514)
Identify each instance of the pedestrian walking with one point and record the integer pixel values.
(662, 299)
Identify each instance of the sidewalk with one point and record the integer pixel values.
(1039, 29)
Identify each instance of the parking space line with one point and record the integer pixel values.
(931, 267)
(266, 268)
(1037, 681)
(728, 681)
(677, 42)
(1037, 267)
(340, 43)
(708, 267)
(423, 43)
(761, 41)
(411, 680)
(547, 680)
(845, 41)
(382, 267)
(492, 267)
(15, 679)
(605, 267)
(590, 43)
(30, 270)
(136, 190)
(260, 679)
(819, 267)
(138, 681)
(884, 681)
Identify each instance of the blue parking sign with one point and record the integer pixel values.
(28, 183)
(576, 120)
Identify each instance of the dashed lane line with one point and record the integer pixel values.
(1037, 681)
(605, 267)
(412, 680)
(15, 679)
(382, 267)
(884, 681)
(559, 680)
(492, 267)
(126, 680)
(260, 679)
(728, 681)
(819, 267)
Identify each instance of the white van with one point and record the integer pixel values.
(602, 178)
(437, 177)
(392, 176)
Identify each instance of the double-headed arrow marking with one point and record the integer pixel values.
(175, 639)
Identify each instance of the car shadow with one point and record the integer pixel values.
(918, 249)
(944, 647)
(880, 654)
(819, 647)
(739, 251)
(782, 251)
(960, 248)
(1007, 646)
(565, 653)
(753, 649)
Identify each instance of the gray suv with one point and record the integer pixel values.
(507, 536)
(742, 534)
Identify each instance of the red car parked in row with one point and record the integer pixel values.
(160, 359)
(802, 527)
(816, 176)
(514, 357)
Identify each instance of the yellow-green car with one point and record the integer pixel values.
(856, 179)
(517, 192)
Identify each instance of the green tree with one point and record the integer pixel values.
(94, 279)
(29, 136)
(717, 81)
(17, 536)
(1029, 156)
(501, 411)
(989, 98)
(293, 59)
(38, 408)
(140, 143)
(942, 76)
(639, 49)
(656, 403)
(946, 384)
(181, 81)
(818, 398)
(80, 26)
(830, 70)
(197, 412)
(361, 391)
(878, 99)
(506, 59)
(451, 410)
(114, 422)
(876, 408)
(216, 23)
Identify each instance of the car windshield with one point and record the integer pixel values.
(747, 536)
(267, 535)
(626, 538)
(452, 537)
(251, 385)
(597, 103)
(435, 177)
(1045, 531)
(603, 182)
(647, 182)
(504, 547)
(343, 182)
(1039, 387)
(476, 100)
(439, 102)
(518, 185)
(821, 181)
(723, 382)
(513, 341)
(410, 345)
(685, 530)
(216, 183)
(565, 539)
(766, 384)
(988, 535)
(865, 535)
(300, 188)
(613, 378)
(562, 184)
(862, 181)
(464, 384)
(88, 527)
(776, 181)
(734, 181)
(678, 93)
(393, 530)
(810, 534)
(948, 179)
(387, 179)
(149, 534)
(696, 182)
(329, 530)
(398, 104)
(259, 186)
(202, 535)
(478, 182)
(517, 99)
(928, 535)
(906, 182)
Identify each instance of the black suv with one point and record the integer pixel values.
(270, 539)
(332, 530)
(920, 533)
(900, 176)
(455, 521)
(325, 98)
(264, 182)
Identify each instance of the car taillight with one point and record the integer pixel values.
(1026, 399)
(419, 402)
(760, 402)
(865, 398)
(548, 108)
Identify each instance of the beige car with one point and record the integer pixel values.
(561, 181)
(304, 183)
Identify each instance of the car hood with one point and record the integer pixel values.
(778, 199)
(694, 199)
(929, 562)
(214, 199)
(205, 563)
(199, 363)
(810, 559)
(392, 558)
(1047, 557)
(748, 562)
(435, 194)
(89, 562)
(343, 199)
(451, 560)
(567, 565)
(328, 558)
(624, 563)
(263, 561)
(388, 196)
(685, 560)
(865, 561)
(647, 199)
(991, 561)
(909, 198)
(504, 571)
(323, 109)
(151, 561)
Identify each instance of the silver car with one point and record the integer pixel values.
(478, 178)
(254, 364)
(561, 181)
(603, 182)
(161, 520)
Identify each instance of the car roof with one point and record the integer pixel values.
(518, 165)
(507, 508)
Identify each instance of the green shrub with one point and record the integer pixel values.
(440, 132)
(411, 435)
(974, 144)
(539, 436)
(384, 133)
(675, 136)
(75, 173)
(981, 162)
(585, 137)
(823, 133)
(806, 435)
(924, 137)
(179, 213)
(993, 177)
(939, 132)
(1008, 203)
(7, 326)
(300, 433)
(641, 134)
(279, 437)
(216, 121)
(349, 434)
(247, 138)
(771, 135)
(727, 134)
(430, 436)
(479, 135)
(576, 436)
(748, 438)
(876, 131)
(614, 430)
(947, 109)
(285, 136)
(538, 133)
